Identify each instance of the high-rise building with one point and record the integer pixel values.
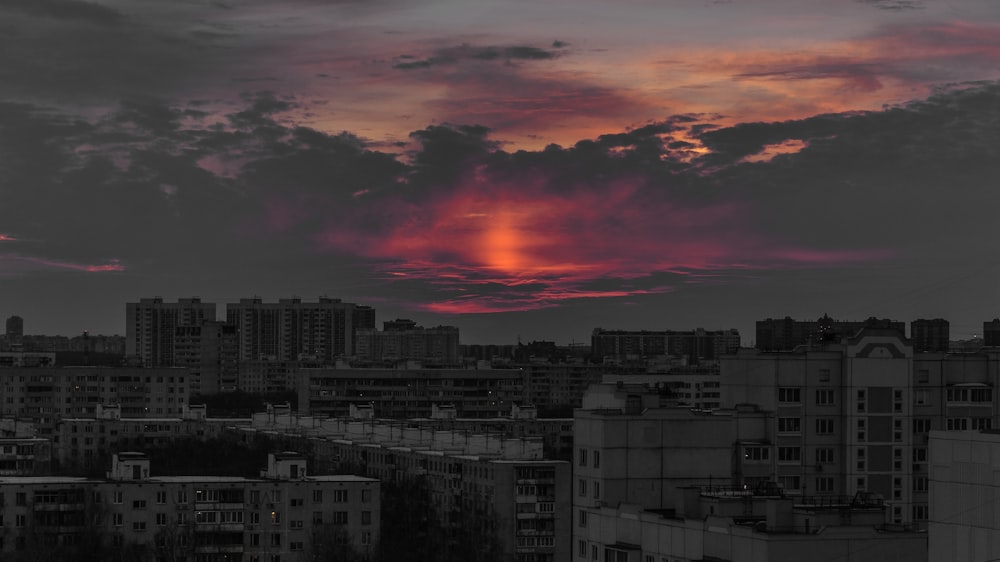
(290, 329)
(13, 340)
(854, 416)
(930, 335)
(151, 326)
(404, 340)
(991, 333)
(210, 352)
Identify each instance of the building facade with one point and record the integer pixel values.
(151, 324)
(290, 330)
(409, 392)
(285, 515)
(695, 346)
(44, 395)
(210, 353)
(855, 416)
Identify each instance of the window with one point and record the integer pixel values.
(920, 398)
(824, 455)
(919, 483)
(583, 518)
(295, 545)
(981, 395)
(581, 550)
(255, 496)
(116, 497)
(789, 454)
(756, 454)
(919, 454)
(161, 519)
(117, 519)
(593, 552)
(182, 496)
(139, 526)
(254, 539)
(861, 458)
(982, 423)
(583, 457)
(824, 375)
(897, 459)
(317, 517)
(861, 430)
(275, 517)
(366, 518)
(139, 504)
(824, 397)
(790, 395)
(366, 538)
(597, 491)
(958, 424)
(583, 488)
(340, 518)
(861, 400)
(161, 498)
(340, 496)
(275, 539)
(824, 484)
(597, 459)
(789, 425)
(897, 430)
(295, 524)
(317, 496)
(824, 426)
(790, 482)
(366, 496)
(897, 401)
(296, 502)
(923, 376)
(920, 512)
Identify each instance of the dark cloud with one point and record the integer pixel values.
(66, 10)
(895, 5)
(457, 54)
(461, 225)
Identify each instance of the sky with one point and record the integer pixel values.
(521, 170)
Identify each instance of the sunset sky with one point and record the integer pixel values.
(518, 169)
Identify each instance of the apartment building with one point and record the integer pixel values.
(151, 324)
(291, 329)
(409, 391)
(88, 442)
(964, 495)
(694, 346)
(401, 340)
(854, 416)
(46, 395)
(500, 487)
(210, 353)
(286, 515)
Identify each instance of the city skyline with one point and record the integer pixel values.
(518, 171)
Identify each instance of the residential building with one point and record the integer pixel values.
(84, 443)
(286, 514)
(930, 335)
(44, 395)
(409, 391)
(210, 353)
(854, 416)
(151, 326)
(290, 330)
(785, 334)
(499, 488)
(402, 340)
(964, 495)
(25, 456)
(695, 346)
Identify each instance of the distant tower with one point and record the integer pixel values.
(930, 335)
(15, 333)
(15, 327)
